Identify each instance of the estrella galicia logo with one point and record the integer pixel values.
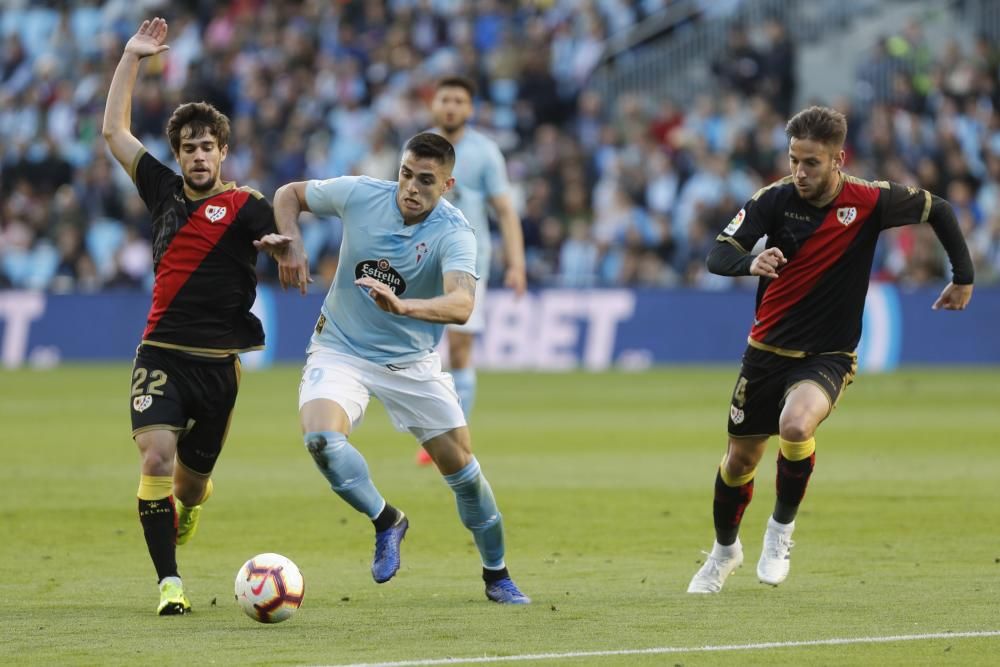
(382, 271)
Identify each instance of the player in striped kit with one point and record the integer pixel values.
(821, 227)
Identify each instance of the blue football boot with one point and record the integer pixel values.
(386, 561)
(505, 591)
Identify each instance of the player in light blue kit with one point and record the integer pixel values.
(480, 182)
(407, 268)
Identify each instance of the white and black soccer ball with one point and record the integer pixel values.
(269, 588)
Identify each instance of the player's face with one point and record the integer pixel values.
(422, 181)
(451, 107)
(200, 159)
(815, 167)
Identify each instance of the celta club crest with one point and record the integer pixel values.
(142, 403)
(421, 251)
(215, 213)
(847, 215)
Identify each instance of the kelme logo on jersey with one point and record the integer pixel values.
(847, 215)
(382, 271)
(215, 213)
(735, 223)
(142, 403)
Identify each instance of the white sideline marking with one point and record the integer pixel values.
(677, 649)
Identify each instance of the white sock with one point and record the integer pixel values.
(786, 528)
(720, 551)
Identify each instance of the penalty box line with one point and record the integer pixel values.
(842, 641)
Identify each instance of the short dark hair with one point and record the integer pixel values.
(822, 124)
(456, 81)
(433, 146)
(202, 117)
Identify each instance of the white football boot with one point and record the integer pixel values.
(718, 566)
(774, 563)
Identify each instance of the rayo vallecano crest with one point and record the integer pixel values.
(141, 403)
(215, 213)
(847, 215)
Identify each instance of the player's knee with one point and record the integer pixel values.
(742, 457)
(459, 358)
(320, 444)
(796, 427)
(460, 349)
(736, 465)
(157, 462)
(157, 449)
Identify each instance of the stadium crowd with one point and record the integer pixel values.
(611, 192)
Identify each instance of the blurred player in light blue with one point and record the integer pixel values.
(407, 268)
(480, 182)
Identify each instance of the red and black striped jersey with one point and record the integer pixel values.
(204, 262)
(817, 302)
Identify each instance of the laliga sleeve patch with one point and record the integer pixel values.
(735, 223)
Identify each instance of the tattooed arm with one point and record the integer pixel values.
(452, 307)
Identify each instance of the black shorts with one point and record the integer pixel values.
(766, 378)
(192, 395)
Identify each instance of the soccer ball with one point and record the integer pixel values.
(269, 588)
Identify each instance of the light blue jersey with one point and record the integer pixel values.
(411, 259)
(480, 173)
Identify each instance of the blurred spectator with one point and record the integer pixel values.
(628, 191)
(739, 66)
(777, 63)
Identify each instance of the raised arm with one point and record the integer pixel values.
(452, 307)
(147, 41)
(286, 246)
(513, 242)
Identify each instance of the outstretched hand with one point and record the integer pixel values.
(953, 297)
(149, 39)
(382, 294)
(293, 263)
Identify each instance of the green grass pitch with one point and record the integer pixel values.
(605, 482)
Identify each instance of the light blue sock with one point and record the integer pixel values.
(478, 510)
(465, 385)
(346, 470)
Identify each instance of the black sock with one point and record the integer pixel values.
(791, 482)
(159, 525)
(386, 519)
(727, 509)
(489, 576)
